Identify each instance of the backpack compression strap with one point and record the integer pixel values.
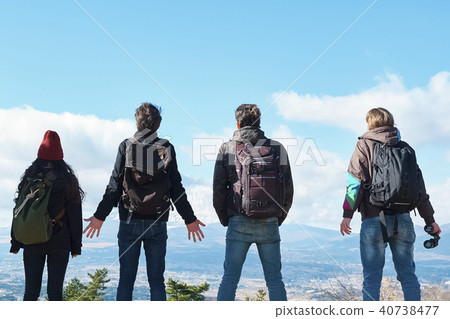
(27, 198)
(384, 228)
(57, 219)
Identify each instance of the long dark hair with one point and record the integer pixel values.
(63, 172)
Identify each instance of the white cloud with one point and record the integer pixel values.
(89, 145)
(204, 147)
(422, 114)
(439, 199)
(319, 183)
(283, 132)
(200, 197)
(320, 189)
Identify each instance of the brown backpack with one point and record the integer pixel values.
(146, 182)
(258, 192)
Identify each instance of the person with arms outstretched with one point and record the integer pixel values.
(144, 184)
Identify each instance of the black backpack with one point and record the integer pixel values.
(258, 192)
(146, 182)
(395, 184)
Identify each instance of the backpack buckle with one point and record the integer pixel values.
(167, 199)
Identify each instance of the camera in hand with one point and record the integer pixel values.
(433, 242)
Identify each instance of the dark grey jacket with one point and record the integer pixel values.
(225, 174)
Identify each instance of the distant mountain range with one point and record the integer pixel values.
(309, 254)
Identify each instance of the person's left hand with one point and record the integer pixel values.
(94, 226)
(436, 229)
(73, 256)
(194, 229)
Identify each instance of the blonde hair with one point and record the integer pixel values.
(378, 117)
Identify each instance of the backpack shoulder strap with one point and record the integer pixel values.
(50, 177)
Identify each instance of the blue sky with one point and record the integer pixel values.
(212, 56)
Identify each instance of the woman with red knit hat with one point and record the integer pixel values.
(65, 200)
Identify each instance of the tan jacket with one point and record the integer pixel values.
(360, 174)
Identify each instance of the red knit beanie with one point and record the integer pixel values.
(50, 148)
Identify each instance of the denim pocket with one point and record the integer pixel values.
(268, 231)
(237, 229)
(371, 231)
(406, 231)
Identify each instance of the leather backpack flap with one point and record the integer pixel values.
(146, 181)
(259, 181)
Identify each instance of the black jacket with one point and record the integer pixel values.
(225, 174)
(69, 235)
(114, 190)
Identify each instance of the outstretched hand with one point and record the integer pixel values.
(94, 226)
(345, 226)
(194, 229)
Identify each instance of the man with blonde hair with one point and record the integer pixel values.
(385, 221)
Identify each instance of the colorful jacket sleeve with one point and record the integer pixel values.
(357, 175)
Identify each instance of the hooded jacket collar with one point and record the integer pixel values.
(248, 133)
(145, 136)
(385, 134)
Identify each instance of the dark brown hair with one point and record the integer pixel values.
(148, 116)
(248, 115)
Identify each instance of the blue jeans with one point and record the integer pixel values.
(241, 233)
(131, 236)
(402, 248)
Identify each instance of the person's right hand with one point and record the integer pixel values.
(345, 226)
(94, 225)
(436, 228)
(14, 252)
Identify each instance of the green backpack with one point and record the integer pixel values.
(32, 223)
